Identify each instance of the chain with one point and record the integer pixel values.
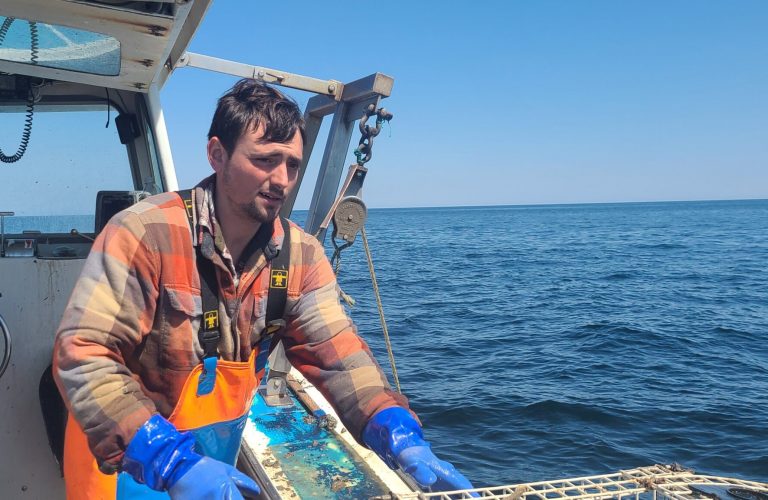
(365, 146)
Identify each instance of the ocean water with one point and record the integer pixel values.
(47, 224)
(542, 342)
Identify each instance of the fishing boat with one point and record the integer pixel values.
(69, 66)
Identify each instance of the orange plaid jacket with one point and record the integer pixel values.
(128, 338)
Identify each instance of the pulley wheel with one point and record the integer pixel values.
(349, 218)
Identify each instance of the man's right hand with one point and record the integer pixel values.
(209, 478)
(163, 458)
(397, 438)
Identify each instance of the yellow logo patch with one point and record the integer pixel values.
(188, 205)
(279, 279)
(211, 319)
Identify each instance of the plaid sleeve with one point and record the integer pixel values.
(322, 343)
(111, 305)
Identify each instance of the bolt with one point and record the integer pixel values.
(332, 88)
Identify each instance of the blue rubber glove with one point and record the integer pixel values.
(163, 458)
(397, 438)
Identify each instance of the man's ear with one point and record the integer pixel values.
(217, 154)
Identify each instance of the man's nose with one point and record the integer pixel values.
(279, 177)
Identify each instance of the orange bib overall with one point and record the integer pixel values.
(214, 406)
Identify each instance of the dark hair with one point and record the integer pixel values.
(250, 103)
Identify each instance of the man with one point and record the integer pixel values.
(158, 396)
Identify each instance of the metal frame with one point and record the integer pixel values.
(326, 87)
(331, 167)
(162, 143)
(355, 98)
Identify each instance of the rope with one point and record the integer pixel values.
(381, 309)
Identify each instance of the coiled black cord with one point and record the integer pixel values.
(5, 27)
(34, 40)
(25, 135)
(27, 132)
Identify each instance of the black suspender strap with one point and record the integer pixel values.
(209, 333)
(278, 283)
(274, 389)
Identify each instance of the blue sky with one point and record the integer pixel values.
(511, 102)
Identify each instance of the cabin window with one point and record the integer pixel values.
(59, 47)
(71, 156)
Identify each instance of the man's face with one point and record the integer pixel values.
(255, 179)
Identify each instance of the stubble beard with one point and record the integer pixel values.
(251, 210)
(257, 214)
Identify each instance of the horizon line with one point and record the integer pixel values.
(521, 205)
(555, 204)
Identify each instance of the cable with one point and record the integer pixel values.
(25, 134)
(34, 41)
(27, 131)
(108, 106)
(5, 27)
